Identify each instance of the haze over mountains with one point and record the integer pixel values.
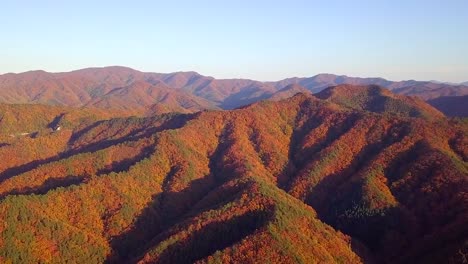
(149, 93)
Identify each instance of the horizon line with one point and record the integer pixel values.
(233, 78)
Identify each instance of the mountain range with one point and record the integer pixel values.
(150, 93)
(112, 165)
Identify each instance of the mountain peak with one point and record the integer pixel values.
(106, 70)
(325, 77)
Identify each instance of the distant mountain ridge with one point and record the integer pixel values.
(115, 88)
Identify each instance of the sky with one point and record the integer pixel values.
(262, 40)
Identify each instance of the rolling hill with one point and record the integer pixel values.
(340, 177)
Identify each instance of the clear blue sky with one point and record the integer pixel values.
(264, 40)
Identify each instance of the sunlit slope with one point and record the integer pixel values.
(300, 180)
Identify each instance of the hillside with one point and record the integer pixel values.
(377, 99)
(88, 86)
(288, 92)
(158, 98)
(431, 91)
(451, 105)
(302, 180)
(424, 90)
(124, 88)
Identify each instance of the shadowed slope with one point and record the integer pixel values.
(451, 105)
(288, 92)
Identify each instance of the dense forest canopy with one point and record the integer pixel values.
(352, 175)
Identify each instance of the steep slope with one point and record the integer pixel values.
(300, 180)
(451, 105)
(169, 184)
(377, 99)
(31, 135)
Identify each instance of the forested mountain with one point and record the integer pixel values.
(377, 99)
(451, 105)
(353, 174)
(125, 88)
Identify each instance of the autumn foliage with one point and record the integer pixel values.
(302, 180)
